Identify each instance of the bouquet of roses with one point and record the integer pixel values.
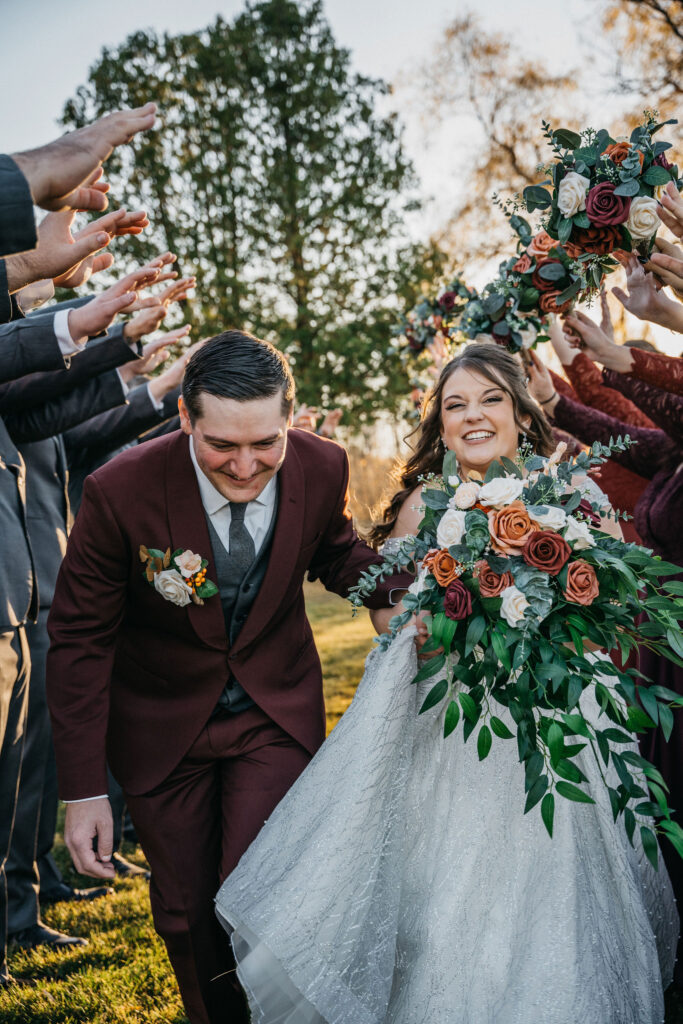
(537, 281)
(516, 576)
(602, 196)
(432, 318)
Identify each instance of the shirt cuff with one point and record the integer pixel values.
(85, 799)
(35, 295)
(158, 405)
(67, 346)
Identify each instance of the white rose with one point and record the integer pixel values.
(514, 605)
(571, 195)
(188, 563)
(578, 535)
(550, 519)
(171, 585)
(501, 491)
(451, 529)
(643, 220)
(466, 494)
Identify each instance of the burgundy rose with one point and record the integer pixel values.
(457, 602)
(661, 161)
(604, 208)
(547, 551)
(447, 301)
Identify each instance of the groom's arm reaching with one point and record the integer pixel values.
(84, 619)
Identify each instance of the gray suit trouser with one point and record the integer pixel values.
(15, 667)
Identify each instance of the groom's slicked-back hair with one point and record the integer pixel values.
(237, 365)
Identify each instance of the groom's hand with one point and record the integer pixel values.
(89, 836)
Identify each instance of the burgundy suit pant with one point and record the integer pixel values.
(194, 828)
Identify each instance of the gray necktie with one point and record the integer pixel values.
(242, 550)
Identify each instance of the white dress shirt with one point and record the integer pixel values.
(257, 517)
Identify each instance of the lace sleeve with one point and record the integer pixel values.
(664, 372)
(590, 389)
(392, 545)
(654, 449)
(663, 407)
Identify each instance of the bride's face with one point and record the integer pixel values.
(478, 421)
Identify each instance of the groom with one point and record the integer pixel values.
(207, 713)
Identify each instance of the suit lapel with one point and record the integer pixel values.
(284, 552)
(188, 529)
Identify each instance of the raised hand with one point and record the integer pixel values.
(306, 418)
(172, 377)
(541, 386)
(559, 339)
(644, 300)
(58, 252)
(116, 224)
(667, 265)
(154, 353)
(175, 292)
(606, 325)
(94, 317)
(56, 171)
(671, 209)
(331, 422)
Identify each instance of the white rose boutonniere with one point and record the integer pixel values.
(571, 195)
(451, 529)
(171, 585)
(513, 605)
(578, 535)
(179, 577)
(501, 491)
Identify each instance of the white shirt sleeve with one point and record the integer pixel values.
(85, 799)
(67, 345)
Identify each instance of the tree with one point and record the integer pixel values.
(649, 36)
(484, 75)
(276, 178)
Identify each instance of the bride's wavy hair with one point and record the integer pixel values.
(501, 368)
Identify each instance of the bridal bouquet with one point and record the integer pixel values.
(602, 195)
(516, 576)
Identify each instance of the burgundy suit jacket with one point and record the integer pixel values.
(135, 678)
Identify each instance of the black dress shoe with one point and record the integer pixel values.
(40, 935)
(124, 868)
(66, 893)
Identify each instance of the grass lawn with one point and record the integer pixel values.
(123, 976)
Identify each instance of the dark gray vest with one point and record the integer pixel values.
(237, 596)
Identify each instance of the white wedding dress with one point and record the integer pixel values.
(399, 882)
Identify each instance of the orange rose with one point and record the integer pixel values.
(541, 244)
(491, 584)
(582, 583)
(442, 566)
(522, 264)
(547, 303)
(510, 527)
(618, 152)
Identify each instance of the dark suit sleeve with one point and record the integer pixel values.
(17, 221)
(86, 612)
(342, 556)
(54, 417)
(106, 352)
(29, 345)
(110, 430)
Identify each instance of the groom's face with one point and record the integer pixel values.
(239, 445)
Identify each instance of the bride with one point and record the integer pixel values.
(399, 881)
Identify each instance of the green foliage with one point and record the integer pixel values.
(276, 179)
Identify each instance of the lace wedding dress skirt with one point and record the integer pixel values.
(399, 882)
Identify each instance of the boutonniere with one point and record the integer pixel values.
(179, 577)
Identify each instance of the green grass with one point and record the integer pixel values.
(123, 976)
